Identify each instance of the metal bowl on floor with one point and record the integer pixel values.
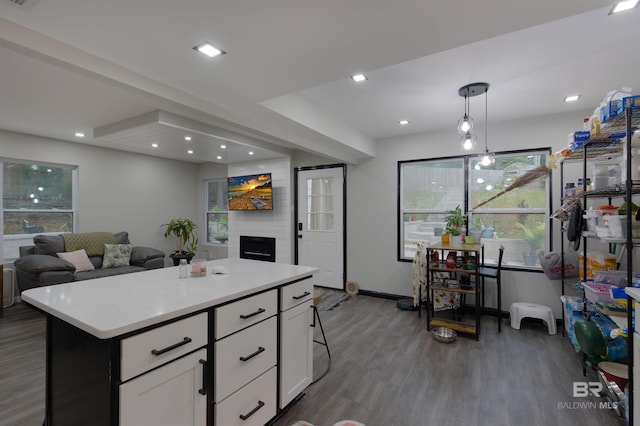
(444, 334)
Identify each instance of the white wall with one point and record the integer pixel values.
(118, 191)
(277, 223)
(372, 230)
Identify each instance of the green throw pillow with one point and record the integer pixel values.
(116, 255)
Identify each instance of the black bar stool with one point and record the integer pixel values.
(494, 273)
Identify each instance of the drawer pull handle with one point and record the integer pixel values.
(184, 341)
(248, 357)
(305, 294)
(252, 412)
(202, 390)
(258, 312)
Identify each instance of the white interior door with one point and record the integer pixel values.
(320, 224)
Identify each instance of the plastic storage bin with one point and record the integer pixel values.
(597, 292)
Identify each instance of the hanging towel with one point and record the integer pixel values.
(442, 299)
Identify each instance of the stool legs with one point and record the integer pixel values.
(499, 289)
(499, 305)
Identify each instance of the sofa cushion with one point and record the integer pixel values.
(122, 237)
(92, 242)
(116, 255)
(38, 263)
(79, 259)
(48, 244)
(106, 272)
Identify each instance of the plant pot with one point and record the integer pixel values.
(176, 257)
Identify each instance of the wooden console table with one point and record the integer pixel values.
(477, 252)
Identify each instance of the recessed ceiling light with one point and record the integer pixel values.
(219, 157)
(79, 135)
(403, 122)
(358, 77)
(572, 98)
(154, 145)
(622, 6)
(187, 138)
(250, 152)
(190, 151)
(223, 146)
(209, 50)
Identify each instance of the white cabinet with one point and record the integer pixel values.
(245, 312)
(636, 376)
(173, 394)
(246, 357)
(243, 356)
(153, 348)
(253, 405)
(296, 340)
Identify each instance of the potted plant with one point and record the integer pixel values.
(455, 221)
(185, 231)
(534, 236)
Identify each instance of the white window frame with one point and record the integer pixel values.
(223, 182)
(9, 244)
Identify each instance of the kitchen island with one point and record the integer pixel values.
(150, 348)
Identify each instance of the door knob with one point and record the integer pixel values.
(300, 236)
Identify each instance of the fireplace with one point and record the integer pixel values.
(258, 248)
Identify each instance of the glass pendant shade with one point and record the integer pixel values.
(468, 141)
(487, 158)
(465, 124)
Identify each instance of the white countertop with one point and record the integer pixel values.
(633, 292)
(112, 306)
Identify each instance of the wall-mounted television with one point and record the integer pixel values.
(250, 192)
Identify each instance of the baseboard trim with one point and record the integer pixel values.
(381, 295)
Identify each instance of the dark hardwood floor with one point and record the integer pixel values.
(22, 366)
(386, 370)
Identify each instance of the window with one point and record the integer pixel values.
(428, 189)
(217, 211)
(517, 218)
(36, 198)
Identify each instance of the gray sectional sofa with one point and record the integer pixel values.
(40, 264)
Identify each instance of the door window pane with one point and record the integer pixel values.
(320, 204)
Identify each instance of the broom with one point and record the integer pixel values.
(525, 179)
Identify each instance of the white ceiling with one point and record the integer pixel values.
(80, 65)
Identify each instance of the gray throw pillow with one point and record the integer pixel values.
(116, 255)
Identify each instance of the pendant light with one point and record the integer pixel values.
(468, 141)
(487, 158)
(465, 124)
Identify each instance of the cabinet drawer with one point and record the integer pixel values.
(243, 356)
(243, 313)
(294, 294)
(153, 348)
(253, 405)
